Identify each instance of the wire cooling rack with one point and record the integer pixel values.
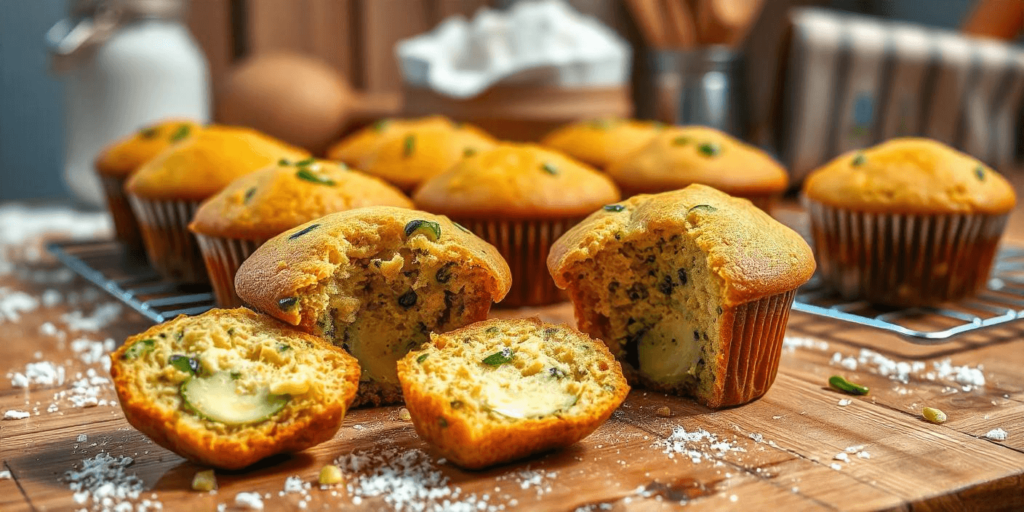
(107, 265)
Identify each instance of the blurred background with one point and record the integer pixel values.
(804, 79)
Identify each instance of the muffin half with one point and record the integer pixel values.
(122, 158)
(519, 198)
(375, 281)
(691, 290)
(910, 222)
(502, 390)
(230, 387)
(166, 192)
(407, 152)
(680, 156)
(260, 205)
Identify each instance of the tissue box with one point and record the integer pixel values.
(854, 81)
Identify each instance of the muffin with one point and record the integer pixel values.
(165, 192)
(258, 206)
(520, 198)
(501, 390)
(690, 289)
(599, 142)
(119, 160)
(230, 387)
(375, 281)
(680, 156)
(407, 152)
(910, 222)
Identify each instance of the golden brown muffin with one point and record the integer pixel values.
(407, 152)
(501, 390)
(599, 142)
(680, 156)
(375, 281)
(886, 221)
(690, 289)
(520, 198)
(230, 387)
(165, 193)
(123, 157)
(262, 204)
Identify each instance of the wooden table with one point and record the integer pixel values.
(788, 439)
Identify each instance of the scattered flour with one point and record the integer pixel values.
(13, 303)
(101, 317)
(250, 500)
(5, 475)
(42, 373)
(843, 402)
(16, 415)
(104, 482)
(697, 445)
(842, 456)
(901, 371)
(792, 343)
(996, 434)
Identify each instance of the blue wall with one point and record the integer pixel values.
(31, 111)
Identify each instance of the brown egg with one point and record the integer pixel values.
(298, 99)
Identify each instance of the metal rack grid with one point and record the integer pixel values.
(107, 265)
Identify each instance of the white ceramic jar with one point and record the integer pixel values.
(127, 63)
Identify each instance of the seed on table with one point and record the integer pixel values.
(204, 481)
(664, 412)
(934, 415)
(330, 475)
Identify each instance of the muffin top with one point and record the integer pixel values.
(124, 156)
(679, 156)
(205, 163)
(754, 255)
(297, 259)
(261, 204)
(517, 180)
(407, 152)
(910, 176)
(599, 142)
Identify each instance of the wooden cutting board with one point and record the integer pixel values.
(783, 456)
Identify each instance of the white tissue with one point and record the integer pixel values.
(536, 43)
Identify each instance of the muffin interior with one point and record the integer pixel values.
(515, 372)
(657, 305)
(229, 375)
(381, 306)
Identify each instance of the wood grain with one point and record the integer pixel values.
(789, 438)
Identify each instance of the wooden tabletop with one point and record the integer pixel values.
(801, 447)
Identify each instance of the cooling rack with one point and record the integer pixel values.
(107, 265)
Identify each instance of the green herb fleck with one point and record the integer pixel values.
(710, 148)
(702, 207)
(492, 330)
(138, 349)
(681, 140)
(308, 175)
(284, 162)
(443, 422)
(149, 132)
(979, 171)
(549, 168)
(422, 357)
(463, 228)
(181, 133)
(456, 404)
(838, 383)
(407, 299)
(380, 125)
(468, 152)
(231, 331)
(184, 364)
(305, 230)
(236, 375)
(303, 163)
(428, 228)
(409, 145)
(287, 303)
(614, 207)
(575, 399)
(283, 347)
(858, 160)
(499, 358)
(248, 194)
(557, 372)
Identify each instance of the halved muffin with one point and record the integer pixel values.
(375, 281)
(230, 387)
(501, 390)
(407, 152)
(690, 289)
